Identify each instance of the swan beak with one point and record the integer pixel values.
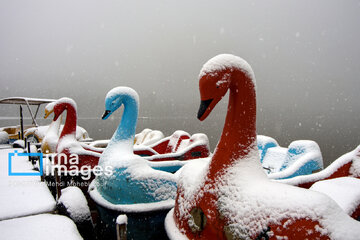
(56, 117)
(106, 114)
(47, 113)
(204, 104)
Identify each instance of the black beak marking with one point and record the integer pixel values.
(106, 113)
(203, 106)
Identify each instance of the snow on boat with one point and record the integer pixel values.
(148, 137)
(179, 146)
(348, 165)
(344, 191)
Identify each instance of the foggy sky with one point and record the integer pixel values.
(305, 55)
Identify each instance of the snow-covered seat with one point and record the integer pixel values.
(171, 143)
(179, 146)
(148, 137)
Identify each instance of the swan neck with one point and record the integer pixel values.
(70, 121)
(126, 129)
(238, 139)
(54, 126)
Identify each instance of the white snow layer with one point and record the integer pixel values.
(81, 133)
(227, 61)
(129, 208)
(148, 137)
(122, 219)
(22, 195)
(51, 136)
(76, 204)
(251, 201)
(66, 100)
(123, 90)
(172, 231)
(261, 197)
(39, 227)
(353, 156)
(4, 137)
(344, 191)
(74, 147)
(275, 158)
(50, 106)
(99, 143)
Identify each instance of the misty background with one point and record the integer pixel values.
(305, 55)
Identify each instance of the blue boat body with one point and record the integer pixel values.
(307, 168)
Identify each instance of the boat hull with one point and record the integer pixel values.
(141, 225)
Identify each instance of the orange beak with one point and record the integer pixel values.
(47, 113)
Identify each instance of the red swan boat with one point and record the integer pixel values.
(231, 197)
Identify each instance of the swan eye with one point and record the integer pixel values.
(115, 102)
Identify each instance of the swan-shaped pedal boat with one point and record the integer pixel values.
(76, 160)
(301, 157)
(144, 194)
(51, 138)
(231, 197)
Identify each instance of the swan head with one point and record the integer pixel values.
(60, 106)
(213, 87)
(116, 97)
(217, 76)
(49, 109)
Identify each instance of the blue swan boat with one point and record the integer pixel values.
(302, 157)
(129, 185)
